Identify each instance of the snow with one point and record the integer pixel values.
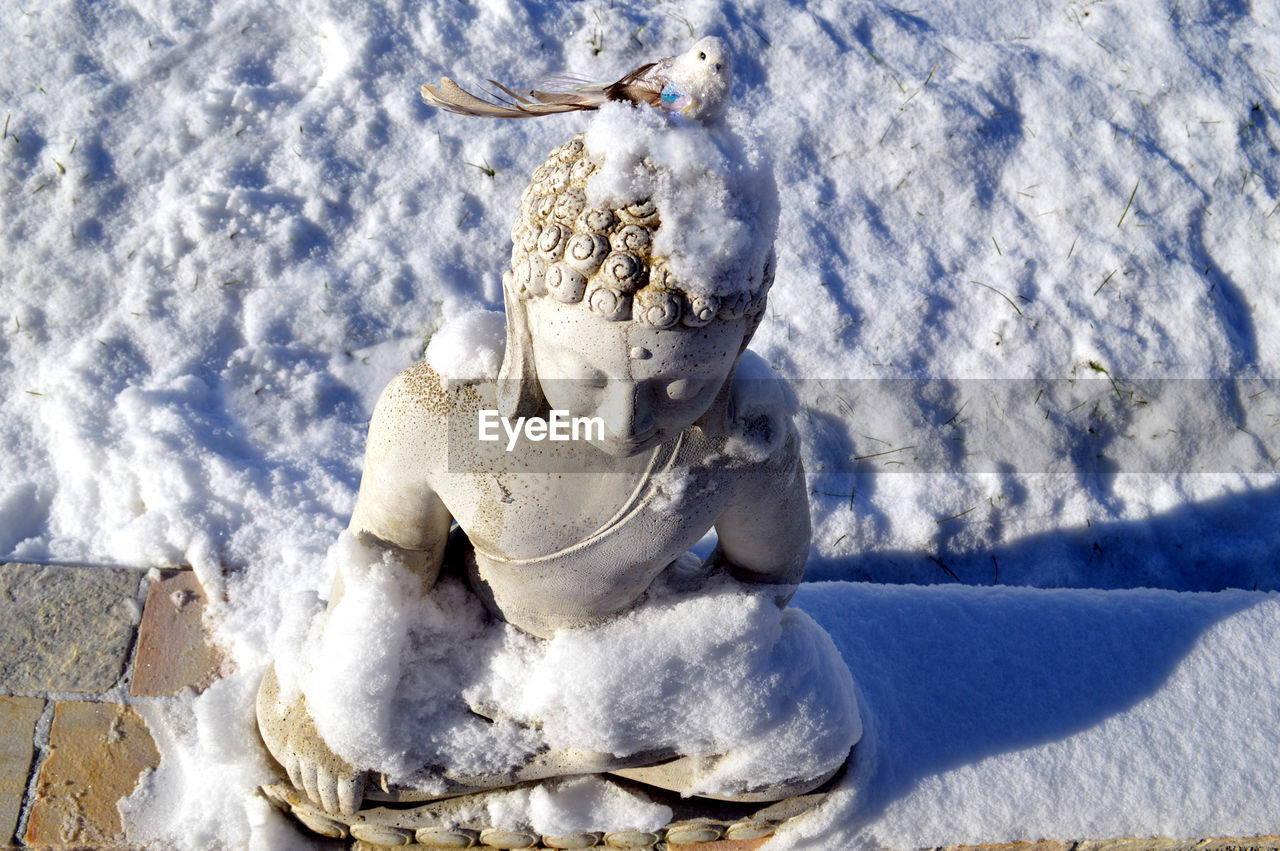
(670, 675)
(224, 228)
(715, 193)
(1101, 714)
(391, 672)
(470, 347)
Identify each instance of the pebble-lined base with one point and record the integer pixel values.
(435, 825)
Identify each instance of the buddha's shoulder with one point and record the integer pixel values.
(420, 392)
(457, 371)
(762, 406)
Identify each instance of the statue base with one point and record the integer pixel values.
(443, 823)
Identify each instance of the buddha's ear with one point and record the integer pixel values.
(715, 420)
(753, 322)
(518, 392)
(756, 314)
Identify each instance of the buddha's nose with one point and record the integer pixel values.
(627, 416)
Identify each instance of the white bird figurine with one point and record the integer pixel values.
(693, 86)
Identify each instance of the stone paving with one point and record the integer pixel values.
(81, 646)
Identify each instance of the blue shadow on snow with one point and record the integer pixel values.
(952, 675)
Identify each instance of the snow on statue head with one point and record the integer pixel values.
(572, 252)
(636, 259)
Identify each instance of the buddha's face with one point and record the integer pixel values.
(648, 385)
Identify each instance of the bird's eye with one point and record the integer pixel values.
(702, 55)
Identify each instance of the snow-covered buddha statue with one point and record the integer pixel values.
(563, 628)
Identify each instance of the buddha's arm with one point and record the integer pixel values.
(397, 509)
(764, 534)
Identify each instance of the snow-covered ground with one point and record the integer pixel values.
(224, 226)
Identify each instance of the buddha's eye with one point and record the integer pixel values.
(590, 378)
(583, 374)
(683, 389)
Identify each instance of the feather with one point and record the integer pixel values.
(584, 99)
(568, 83)
(637, 87)
(452, 97)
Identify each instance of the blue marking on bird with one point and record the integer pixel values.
(676, 100)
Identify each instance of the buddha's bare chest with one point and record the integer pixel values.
(528, 515)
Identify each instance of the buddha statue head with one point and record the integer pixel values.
(601, 322)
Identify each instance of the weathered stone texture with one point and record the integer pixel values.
(172, 650)
(1042, 845)
(717, 845)
(1137, 844)
(18, 717)
(727, 845)
(96, 753)
(65, 628)
(1255, 843)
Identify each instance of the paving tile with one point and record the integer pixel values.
(172, 650)
(65, 628)
(96, 753)
(18, 717)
